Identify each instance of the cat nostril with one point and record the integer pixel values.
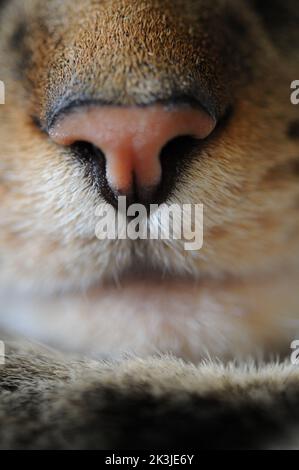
(93, 161)
(88, 153)
(178, 151)
(175, 157)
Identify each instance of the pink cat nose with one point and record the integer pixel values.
(131, 138)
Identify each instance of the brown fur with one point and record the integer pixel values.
(49, 401)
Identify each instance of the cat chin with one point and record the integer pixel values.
(192, 320)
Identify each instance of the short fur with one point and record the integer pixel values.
(129, 52)
(236, 298)
(49, 401)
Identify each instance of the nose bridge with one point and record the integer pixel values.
(134, 53)
(131, 54)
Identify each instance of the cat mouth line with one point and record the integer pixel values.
(143, 274)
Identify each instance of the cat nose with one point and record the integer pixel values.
(132, 140)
